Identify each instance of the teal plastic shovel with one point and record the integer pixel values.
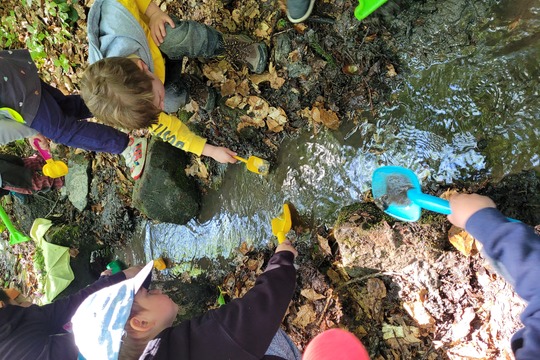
(398, 193)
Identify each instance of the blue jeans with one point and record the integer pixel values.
(191, 39)
(283, 347)
(62, 119)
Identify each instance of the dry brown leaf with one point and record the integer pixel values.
(249, 121)
(258, 107)
(243, 88)
(235, 101)
(216, 71)
(514, 24)
(197, 168)
(326, 117)
(73, 252)
(301, 27)
(311, 294)
(271, 76)
(463, 241)
(294, 56)
(228, 88)
(391, 70)
(419, 313)
(305, 316)
(263, 30)
(462, 327)
(276, 119)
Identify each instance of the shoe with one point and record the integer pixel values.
(299, 10)
(135, 156)
(245, 50)
(204, 95)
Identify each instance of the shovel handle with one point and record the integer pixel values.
(240, 158)
(44, 153)
(434, 203)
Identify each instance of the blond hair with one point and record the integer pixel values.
(134, 342)
(119, 93)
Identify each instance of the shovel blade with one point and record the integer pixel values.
(282, 224)
(389, 185)
(55, 169)
(258, 165)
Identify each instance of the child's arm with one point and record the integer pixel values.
(11, 130)
(156, 22)
(253, 320)
(516, 247)
(172, 130)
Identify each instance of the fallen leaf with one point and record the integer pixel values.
(462, 327)
(263, 30)
(234, 102)
(463, 241)
(305, 316)
(391, 70)
(276, 119)
(419, 313)
(311, 294)
(271, 76)
(228, 88)
(197, 168)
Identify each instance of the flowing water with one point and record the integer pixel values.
(464, 110)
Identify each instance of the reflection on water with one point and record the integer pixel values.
(444, 106)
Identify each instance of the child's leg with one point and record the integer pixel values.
(282, 346)
(191, 39)
(67, 128)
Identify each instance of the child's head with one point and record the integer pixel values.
(120, 320)
(123, 92)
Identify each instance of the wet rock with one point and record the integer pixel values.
(164, 192)
(282, 49)
(367, 242)
(77, 181)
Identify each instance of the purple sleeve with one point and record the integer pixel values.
(61, 310)
(517, 248)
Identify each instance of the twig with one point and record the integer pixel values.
(54, 205)
(355, 280)
(325, 307)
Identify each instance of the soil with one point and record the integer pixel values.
(459, 293)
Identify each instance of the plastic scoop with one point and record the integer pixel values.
(15, 237)
(398, 193)
(256, 164)
(53, 168)
(282, 224)
(366, 7)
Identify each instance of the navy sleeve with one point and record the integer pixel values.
(61, 311)
(253, 320)
(517, 248)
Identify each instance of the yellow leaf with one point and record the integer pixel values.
(305, 316)
(311, 294)
(462, 241)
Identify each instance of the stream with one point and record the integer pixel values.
(464, 110)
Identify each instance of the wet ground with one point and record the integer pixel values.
(336, 65)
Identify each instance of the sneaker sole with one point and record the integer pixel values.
(144, 145)
(306, 15)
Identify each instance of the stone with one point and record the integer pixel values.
(77, 181)
(165, 192)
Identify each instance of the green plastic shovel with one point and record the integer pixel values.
(15, 237)
(366, 7)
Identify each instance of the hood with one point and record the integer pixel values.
(114, 31)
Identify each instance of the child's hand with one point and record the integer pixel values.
(287, 246)
(43, 142)
(156, 22)
(132, 271)
(219, 153)
(463, 206)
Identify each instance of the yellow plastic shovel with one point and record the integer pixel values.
(53, 168)
(282, 224)
(256, 164)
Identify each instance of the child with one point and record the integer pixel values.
(29, 107)
(127, 320)
(135, 79)
(516, 247)
(30, 332)
(24, 176)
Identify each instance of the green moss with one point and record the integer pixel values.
(39, 261)
(63, 235)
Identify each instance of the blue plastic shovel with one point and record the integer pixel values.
(398, 193)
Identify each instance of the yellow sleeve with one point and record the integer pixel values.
(142, 5)
(172, 130)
